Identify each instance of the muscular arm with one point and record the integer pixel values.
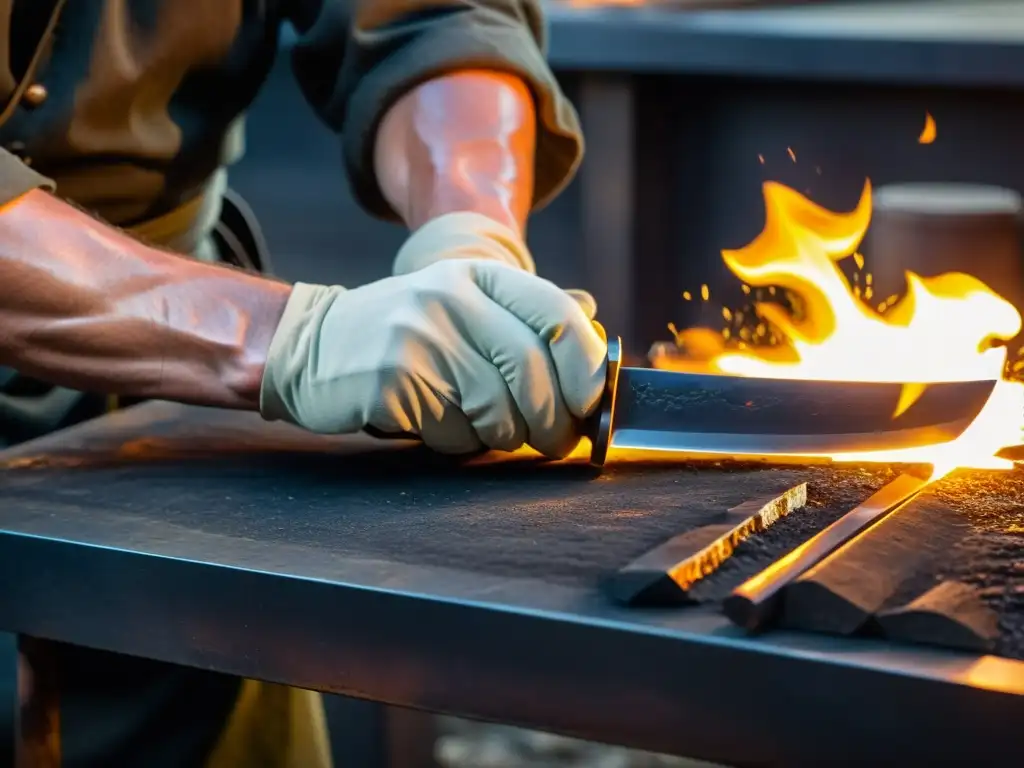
(461, 142)
(85, 306)
(443, 105)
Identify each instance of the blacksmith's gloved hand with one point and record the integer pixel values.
(464, 353)
(472, 236)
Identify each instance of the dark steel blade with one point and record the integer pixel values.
(663, 410)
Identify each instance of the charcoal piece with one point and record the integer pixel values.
(843, 591)
(950, 614)
(664, 575)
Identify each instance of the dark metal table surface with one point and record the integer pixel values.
(211, 539)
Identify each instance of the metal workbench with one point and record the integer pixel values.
(213, 540)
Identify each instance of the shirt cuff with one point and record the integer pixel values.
(17, 179)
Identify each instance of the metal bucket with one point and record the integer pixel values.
(932, 228)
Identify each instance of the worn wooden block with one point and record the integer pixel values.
(950, 614)
(842, 592)
(664, 575)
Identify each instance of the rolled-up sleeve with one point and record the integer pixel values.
(355, 58)
(17, 179)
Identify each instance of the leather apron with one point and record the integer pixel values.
(270, 726)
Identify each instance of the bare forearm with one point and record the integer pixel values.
(85, 306)
(463, 142)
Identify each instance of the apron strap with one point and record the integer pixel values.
(171, 225)
(237, 234)
(239, 237)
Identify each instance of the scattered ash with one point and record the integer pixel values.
(831, 493)
(992, 501)
(991, 557)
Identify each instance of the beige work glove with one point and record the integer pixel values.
(463, 353)
(467, 235)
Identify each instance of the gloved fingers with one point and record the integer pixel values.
(525, 366)
(456, 402)
(491, 408)
(577, 351)
(424, 404)
(586, 301)
(451, 433)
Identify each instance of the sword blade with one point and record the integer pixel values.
(662, 410)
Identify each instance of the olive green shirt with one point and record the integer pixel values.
(136, 109)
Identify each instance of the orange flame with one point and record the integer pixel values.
(945, 328)
(930, 130)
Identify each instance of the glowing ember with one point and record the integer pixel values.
(929, 132)
(946, 328)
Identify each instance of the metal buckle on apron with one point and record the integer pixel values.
(237, 235)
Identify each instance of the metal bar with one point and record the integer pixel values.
(665, 574)
(949, 615)
(755, 603)
(840, 594)
(37, 731)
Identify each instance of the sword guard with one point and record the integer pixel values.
(599, 426)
